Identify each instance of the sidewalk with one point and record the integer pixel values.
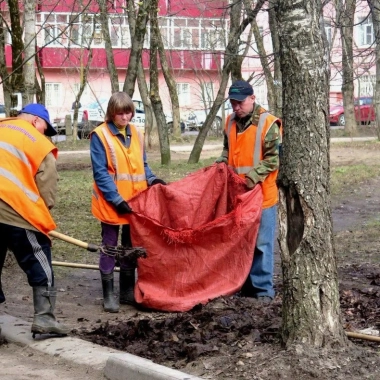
(115, 365)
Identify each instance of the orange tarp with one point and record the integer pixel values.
(199, 234)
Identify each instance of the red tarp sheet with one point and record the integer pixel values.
(199, 234)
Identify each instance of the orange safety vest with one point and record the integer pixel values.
(22, 150)
(126, 168)
(245, 152)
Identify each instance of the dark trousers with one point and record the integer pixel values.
(110, 236)
(32, 252)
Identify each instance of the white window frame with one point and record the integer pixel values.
(183, 91)
(365, 31)
(53, 94)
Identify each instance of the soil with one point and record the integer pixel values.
(234, 337)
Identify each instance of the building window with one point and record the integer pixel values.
(365, 31)
(53, 92)
(366, 85)
(183, 90)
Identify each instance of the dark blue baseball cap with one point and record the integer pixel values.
(240, 90)
(39, 110)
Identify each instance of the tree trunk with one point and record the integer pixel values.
(375, 8)
(163, 135)
(231, 51)
(137, 29)
(5, 77)
(311, 310)
(277, 76)
(345, 18)
(103, 17)
(30, 50)
(17, 76)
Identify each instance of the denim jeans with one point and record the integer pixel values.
(260, 278)
(110, 236)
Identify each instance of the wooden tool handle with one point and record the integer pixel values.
(69, 239)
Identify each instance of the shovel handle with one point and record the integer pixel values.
(68, 239)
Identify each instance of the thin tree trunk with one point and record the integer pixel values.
(277, 76)
(345, 18)
(375, 9)
(311, 310)
(154, 91)
(103, 17)
(5, 77)
(29, 52)
(137, 31)
(231, 51)
(17, 76)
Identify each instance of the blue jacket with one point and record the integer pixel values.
(99, 164)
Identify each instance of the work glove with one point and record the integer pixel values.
(221, 159)
(123, 208)
(157, 181)
(250, 184)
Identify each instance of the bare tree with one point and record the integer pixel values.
(29, 52)
(311, 309)
(345, 20)
(375, 9)
(103, 18)
(154, 93)
(138, 31)
(231, 51)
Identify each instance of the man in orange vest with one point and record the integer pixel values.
(252, 138)
(28, 184)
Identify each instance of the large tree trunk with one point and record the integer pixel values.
(311, 311)
(30, 46)
(375, 8)
(345, 18)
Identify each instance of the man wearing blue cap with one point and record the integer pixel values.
(28, 185)
(252, 138)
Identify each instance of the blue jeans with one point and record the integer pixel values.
(260, 279)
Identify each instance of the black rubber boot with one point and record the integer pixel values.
(109, 301)
(44, 320)
(127, 286)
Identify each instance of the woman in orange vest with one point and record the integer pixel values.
(28, 184)
(252, 139)
(120, 171)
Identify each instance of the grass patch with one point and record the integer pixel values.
(346, 178)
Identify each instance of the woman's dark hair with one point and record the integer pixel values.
(119, 102)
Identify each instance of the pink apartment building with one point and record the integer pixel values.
(194, 33)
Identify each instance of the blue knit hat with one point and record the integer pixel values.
(39, 110)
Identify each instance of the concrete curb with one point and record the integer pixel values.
(116, 365)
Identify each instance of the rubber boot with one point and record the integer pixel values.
(109, 301)
(44, 320)
(127, 286)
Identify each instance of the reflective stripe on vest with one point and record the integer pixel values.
(22, 150)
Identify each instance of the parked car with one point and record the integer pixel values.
(364, 111)
(91, 115)
(197, 118)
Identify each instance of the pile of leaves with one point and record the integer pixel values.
(231, 324)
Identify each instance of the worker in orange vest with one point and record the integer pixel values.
(120, 171)
(252, 138)
(28, 186)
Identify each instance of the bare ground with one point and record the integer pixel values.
(234, 338)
